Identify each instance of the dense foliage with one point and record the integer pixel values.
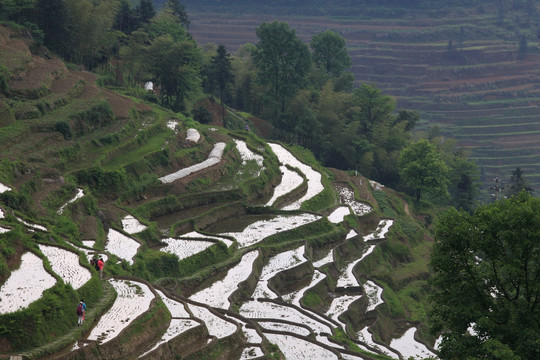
(307, 95)
(487, 267)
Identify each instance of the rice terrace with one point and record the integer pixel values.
(222, 233)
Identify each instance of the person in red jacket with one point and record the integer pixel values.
(80, 313)
(100, 264)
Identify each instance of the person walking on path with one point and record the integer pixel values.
(83, 309)
(80, 313)
(100, 264)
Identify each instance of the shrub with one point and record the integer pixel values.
(37, 34)
(15, 200)
(202, 115)
(159, 264)
(63, 128)
(153, 98)
(234, 123)
(384, 204)
(4, 79)
(104, 181)
(99, 115)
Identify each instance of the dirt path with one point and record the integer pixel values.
(406, 207)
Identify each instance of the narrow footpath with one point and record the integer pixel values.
(60, 345)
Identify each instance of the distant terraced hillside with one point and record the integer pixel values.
(460, 68)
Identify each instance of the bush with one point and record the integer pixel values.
(99, 115)
(63, 128)
(202, 115)
(4, 79)
(104, 181)
(15, 200)
(37, 34)
(153, 98)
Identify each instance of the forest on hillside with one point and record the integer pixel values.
(308, 97)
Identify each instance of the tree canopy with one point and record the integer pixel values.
(486, 277)
(422, 168)
(283, 61)
(220, 73)
(330, 52)
(518, 183)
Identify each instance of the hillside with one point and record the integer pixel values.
(461, 67)
(217, 244)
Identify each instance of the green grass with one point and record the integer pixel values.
(150, 145)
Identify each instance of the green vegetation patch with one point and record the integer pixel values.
(43, 320)
(97, 116)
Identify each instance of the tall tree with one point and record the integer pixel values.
(463, 177)
(330, 52)
(221, 73)
(518, 183)
(486, 282)
(145, 11)
(173, 59)
(179, 10)
(91, 22)
(421, 168)
(301, 120)
(125, 18)
(283, 61)
(175, 67)
(374, 107)
(52, 16)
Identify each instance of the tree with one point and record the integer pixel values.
(330, 52)
(301, 120)
(221, 73)
(90, 26)
(19, 11)
(125, 18)
(175, 65)
(463, 176)
(374, 107)
(283, 61)
(52, 17)
(421, 167)
(171, 57)
(486, 278)
(179, 10)
(145, 11)
(518, 183)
